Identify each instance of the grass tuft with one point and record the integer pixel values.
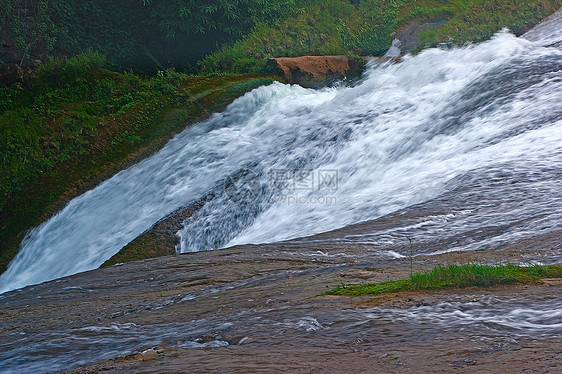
(456, 276)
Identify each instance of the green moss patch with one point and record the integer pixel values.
(456, 276)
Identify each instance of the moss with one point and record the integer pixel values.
(149, 245)
(456, 276)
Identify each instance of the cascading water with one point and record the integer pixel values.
(407, 133)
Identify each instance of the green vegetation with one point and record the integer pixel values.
(337, 27)
(147, 245)
(32, 30)
(478, 20)
(456, 276)
(129, 32)
(238, 35)
(74, 123)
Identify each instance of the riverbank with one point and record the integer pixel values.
(74, 124)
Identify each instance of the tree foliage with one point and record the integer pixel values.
(125, 29)
(34, 29)
(233, 17)
(238, 35)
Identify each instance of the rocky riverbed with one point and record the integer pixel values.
(258, 309)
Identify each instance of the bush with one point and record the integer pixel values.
(60, 72)
(310, 31)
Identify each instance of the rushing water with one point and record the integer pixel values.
(494, 321)
(285, 162)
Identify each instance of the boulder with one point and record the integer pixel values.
(315, 71)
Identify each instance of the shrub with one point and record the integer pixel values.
(61, 72)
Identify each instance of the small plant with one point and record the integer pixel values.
(57, 72)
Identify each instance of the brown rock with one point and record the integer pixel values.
(313, 71)
(149, 354)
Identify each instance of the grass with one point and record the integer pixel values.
(456, 276)
(478, 20)
(337, 27)
(74, 123)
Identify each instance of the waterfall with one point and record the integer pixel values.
(284, 162)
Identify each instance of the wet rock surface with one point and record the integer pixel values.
(160, 239)
(258, 309)
(412, 357)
